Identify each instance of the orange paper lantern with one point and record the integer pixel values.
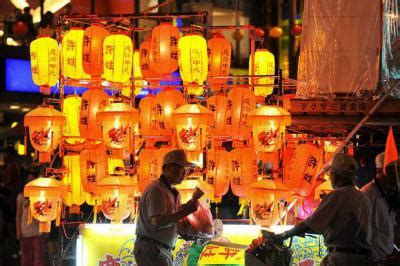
(269, 124)
(148, 122)
(117, 120)
(219, 60)
(191, 123)
(164, 48)
(305, 163)
(168, 100)
(149, 166)
(92, 101)
(93, 166)
(92, 52)
(241, 102)
(218, 171)
(145, 63)
(189, 186)
(115, 194)
(218, 104)
(243, 170)
(45, 129)
(45, 205)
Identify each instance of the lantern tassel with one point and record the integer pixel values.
(26, 142)
(95, 211)
(58, 217)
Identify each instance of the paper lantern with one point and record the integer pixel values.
(75, 194)
(168, 100)
(218, 172)
(330, 147)
(92, 52)
(189, 185)
(45, 63)
(20, 28)
(305, 163)
(45, 128)
(92, 101)
(268, 202)
(243, 170)
(45, 203)
(264, 64)
(149, 166)
(117, 58)
(93, 167)
(164, 48)
(269, 124)
(138, 81)
(148, 122)
(71, 108)
(218, 104)
(276, 32)
(72, 46)
(241, 102)
(191, 123)
(117, 120)
(145, 63)
(219, 60)
(193, 63)
(115, 194)
(114, 165)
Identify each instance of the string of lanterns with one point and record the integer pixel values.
(95, 132)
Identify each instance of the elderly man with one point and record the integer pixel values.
(343, 218)
(383, 215)
(159, 211)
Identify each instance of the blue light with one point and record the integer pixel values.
(19, 79)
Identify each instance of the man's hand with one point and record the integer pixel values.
(191, 206)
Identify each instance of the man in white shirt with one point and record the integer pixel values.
(343, 218)
(383, 216)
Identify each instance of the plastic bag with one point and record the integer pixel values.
(197, 225)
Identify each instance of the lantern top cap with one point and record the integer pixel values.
(269, 184)
(192, 109)
(117, 108)
(44, 183)
(44, 112)
(177, 157)
(115, 181)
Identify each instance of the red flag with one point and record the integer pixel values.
(391, 154)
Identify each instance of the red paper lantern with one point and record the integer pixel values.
(145, 63)
(218, 105)
(243, 170)
(297, 28)
(20, 28)
(219, 60)
(93, 167)
(168, 100)
(149, 166)
(259, 32)
(164, 48)
(92, 51)
(148, 122)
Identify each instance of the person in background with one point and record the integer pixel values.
(383, 214)
(343, 218)
(30, 239)
(159, 211)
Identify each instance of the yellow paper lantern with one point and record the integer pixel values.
(115, 165)
(117, 58)
(149, 166)
(264, 64)
(218, 104)
(191, 123)
(168, 100)
(193, 62)
(92, 101)
(45, 203)
(71, 110)
(45, 63)
(117, 120)
(93, 167)
(164, 48)
(269, 124)
(115, 194)
(75, 195)
(45, 128)
(218, 171)
(241, 102)
(243, 170)
(72, 45)
(148, 122)
(219, 60)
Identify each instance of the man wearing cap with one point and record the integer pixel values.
(383, 215)
(343, 217)
(159, 211)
